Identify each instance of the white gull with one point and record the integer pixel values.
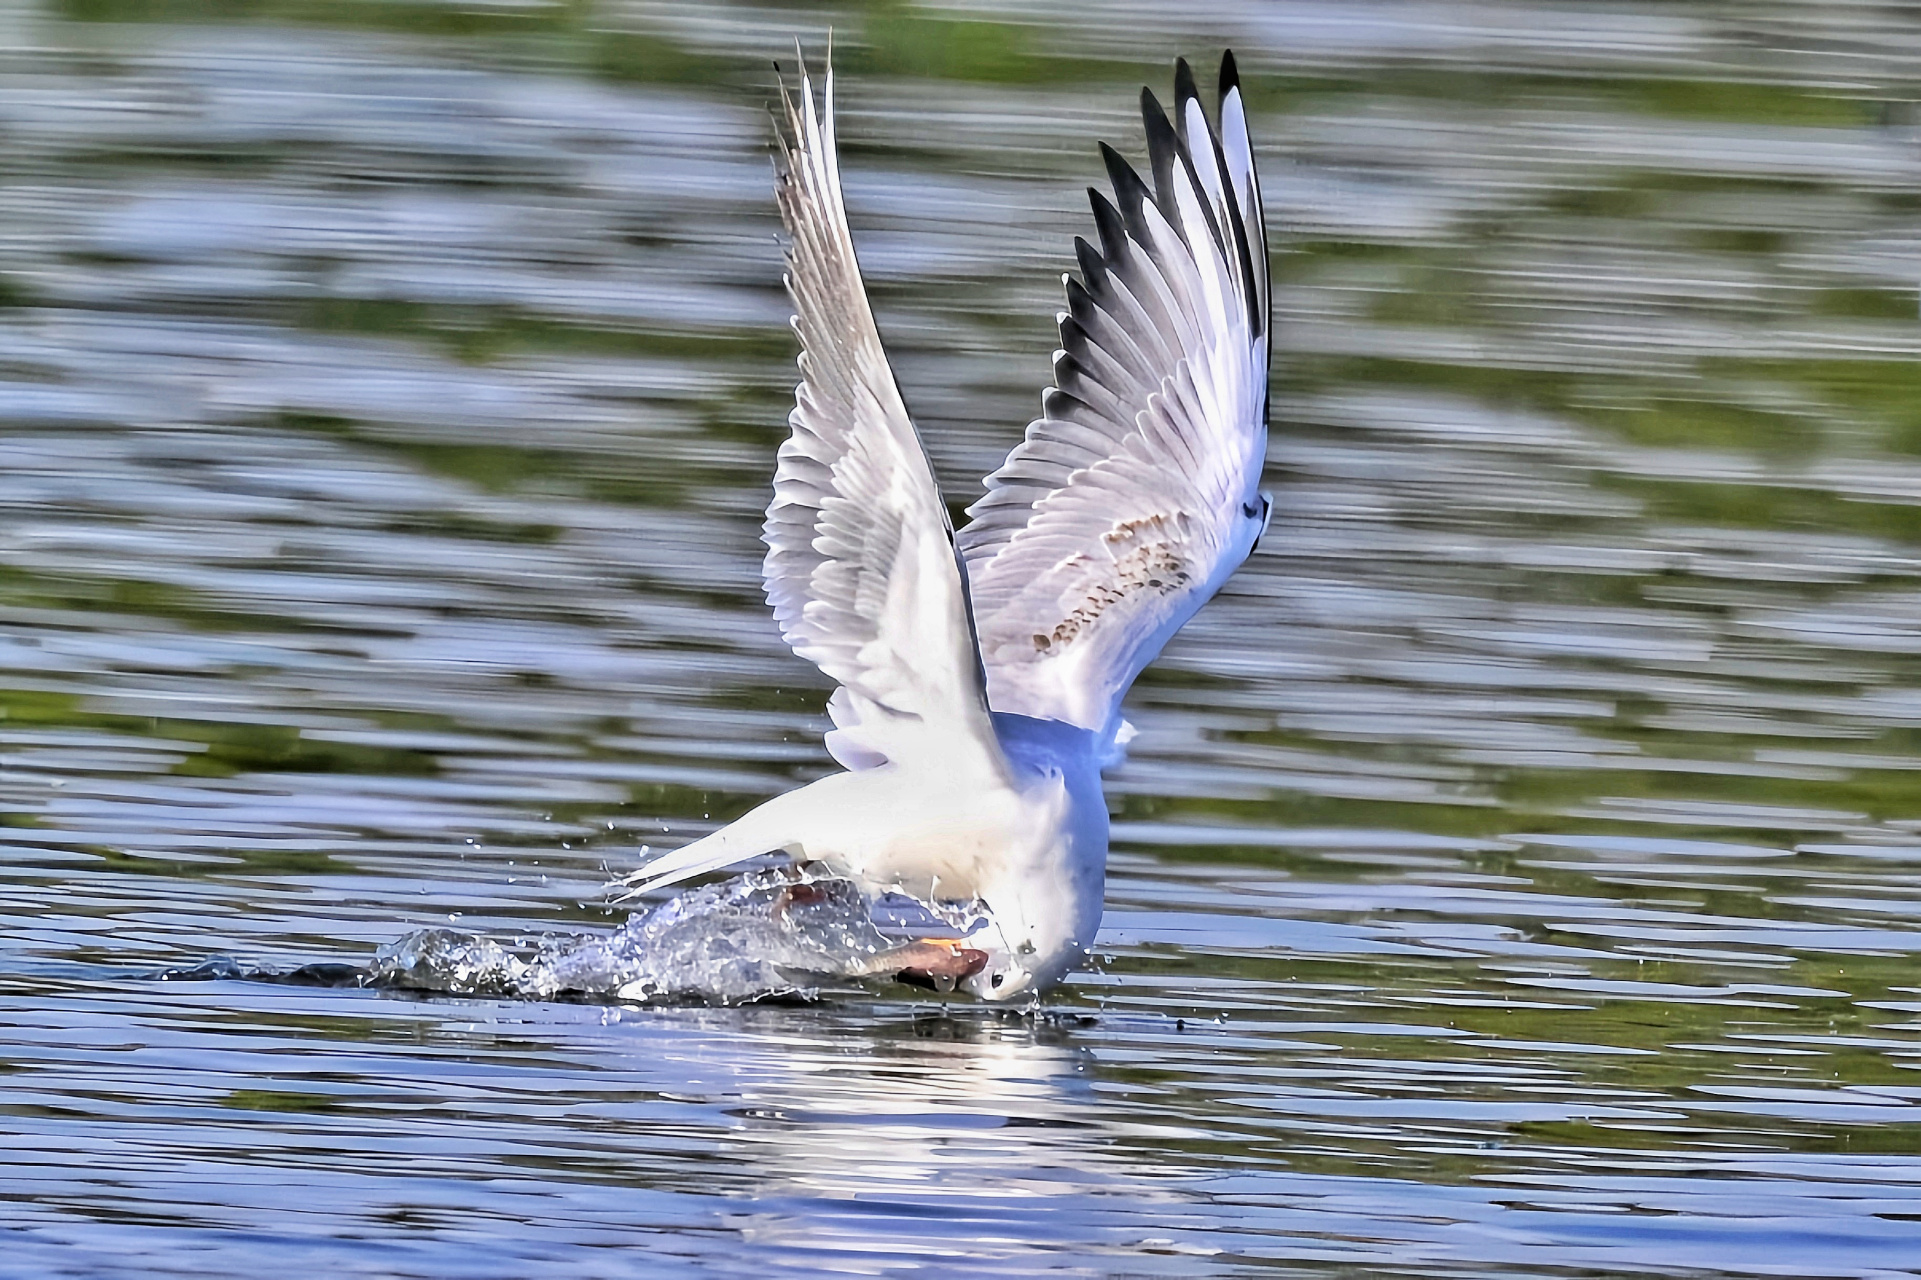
(981, 673)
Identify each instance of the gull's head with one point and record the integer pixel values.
(1024, 957)
(1041, 920)
(1002, 978)
(985, 964)
(981, 964)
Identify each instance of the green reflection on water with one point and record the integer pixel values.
(1448, 282)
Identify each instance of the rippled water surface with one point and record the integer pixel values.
(1516, 871)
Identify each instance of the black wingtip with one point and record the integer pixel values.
(1151, 108)
(1164, 149)
(1230, 73)
(1183, 85)
(1080, 303)
(1110, 225)
(1130, 192)
(1093, 268)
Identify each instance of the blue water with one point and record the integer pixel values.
(1515, 875)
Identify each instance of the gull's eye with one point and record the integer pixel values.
(1249, 510)
(998, 979)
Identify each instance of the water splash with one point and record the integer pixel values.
(770, 934)
(786, 932)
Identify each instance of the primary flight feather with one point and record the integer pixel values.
(981, 674)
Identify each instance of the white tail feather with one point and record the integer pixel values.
(775, 826)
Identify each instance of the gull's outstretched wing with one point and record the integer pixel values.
(861, 568)
(1135, 494)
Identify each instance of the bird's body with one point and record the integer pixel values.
(981, 674)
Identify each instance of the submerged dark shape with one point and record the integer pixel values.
(324, 973)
